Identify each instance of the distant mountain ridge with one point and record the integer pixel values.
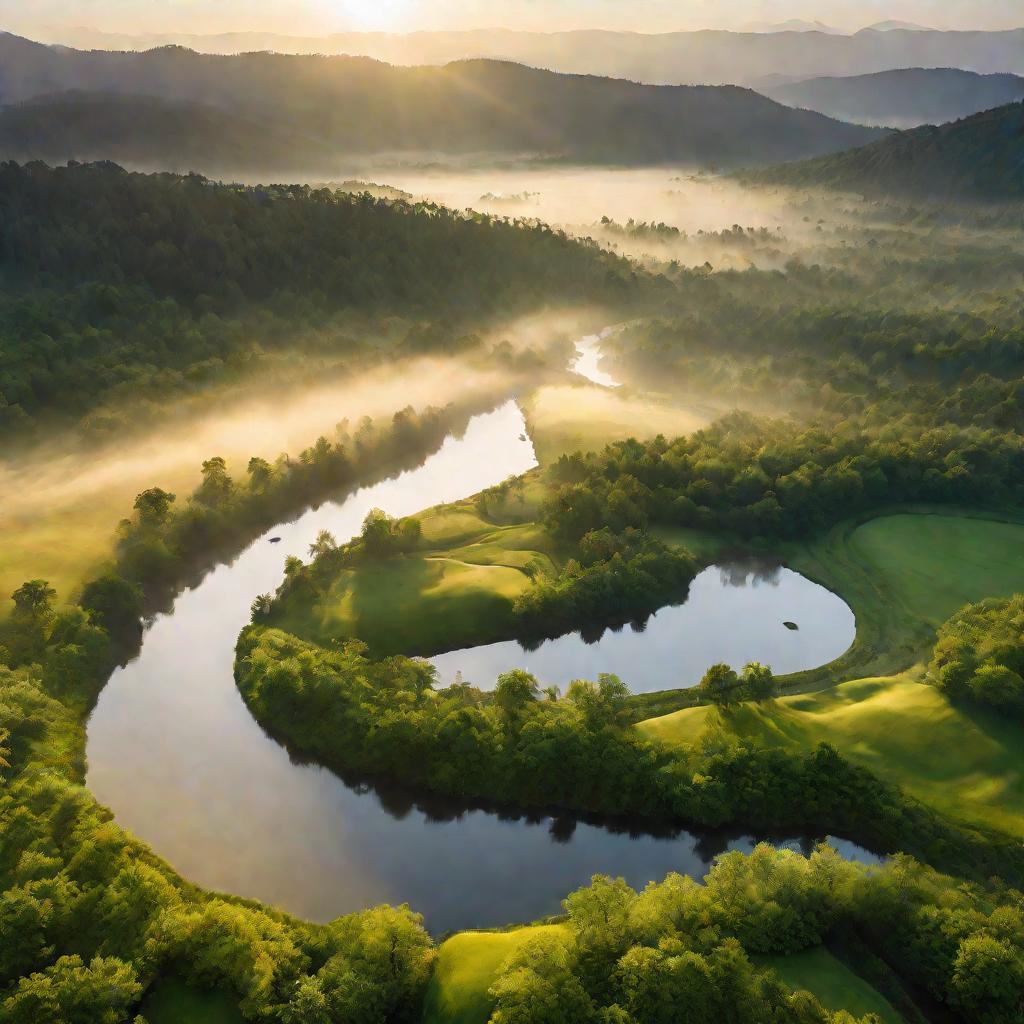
(977, 159)
(152, 133)
(905, 98)
(675, 58)
(360, 106)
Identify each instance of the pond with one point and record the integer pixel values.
(736, 612)
(175, 753)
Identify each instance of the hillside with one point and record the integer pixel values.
(669, 58)
(148, 132)
(901, 99)
(361, 106)
(979, 159)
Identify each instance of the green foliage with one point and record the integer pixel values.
(123, 284)
(383, 718)
(383, 536)
(619, 575)
(976, 158)
(629, 956)
(771, 479)
(979, 655)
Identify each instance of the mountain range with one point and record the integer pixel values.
(674, 58)
(901, 99)
(95, 104)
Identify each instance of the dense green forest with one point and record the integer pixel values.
(361, 106)
(977, 159)
(115, 281)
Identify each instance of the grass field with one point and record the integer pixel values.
(969, 765)
(466, 967)
(456, 592)
(586, 417)
(903, 575)
(838, 988)
(935, 564)
(171, 1001)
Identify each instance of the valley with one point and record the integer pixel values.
(557, 558)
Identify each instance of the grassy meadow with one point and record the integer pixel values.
(456, 591)
(584, 417)
(838, 988)
(968, 764)
(466, 967)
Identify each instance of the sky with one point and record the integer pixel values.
(316, 17)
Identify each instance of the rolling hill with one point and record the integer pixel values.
(977, 159)
(905, 98)
(359, 106)
(148, 132)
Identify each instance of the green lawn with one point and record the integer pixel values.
(455, 592)
(967, 764)
(171, 1001)
(935, 564)
(466, 967)
(819, 972)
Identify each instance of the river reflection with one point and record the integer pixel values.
(174, 752)
(735, 612)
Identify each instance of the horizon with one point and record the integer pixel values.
(319, 18)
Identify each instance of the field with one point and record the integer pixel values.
(904, 575)
(466, 967)
(584, 417)
(838, 988)
(935, 564)
(456, 592)
(968, 764)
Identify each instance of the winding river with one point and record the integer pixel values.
(177, 756)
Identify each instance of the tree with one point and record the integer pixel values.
(758, 681)
(33, 601)
(262, 607)
(721, 685)
(70, 992)
(602, 703)
(30, 621)
(536, 985)
(260, 472)
(323, 544)
(515, 691)
(114, 603)
(216, 485)
(153, 506)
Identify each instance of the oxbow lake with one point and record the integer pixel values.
(174, 752)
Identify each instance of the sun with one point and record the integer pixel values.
(372, 15)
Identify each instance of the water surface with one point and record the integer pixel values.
(735, 613)
(588, 361)
(174, 752)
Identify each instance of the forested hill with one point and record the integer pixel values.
(977, 159)
(360, 106)
(905, 98)
(110, 279)
(151, 133)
